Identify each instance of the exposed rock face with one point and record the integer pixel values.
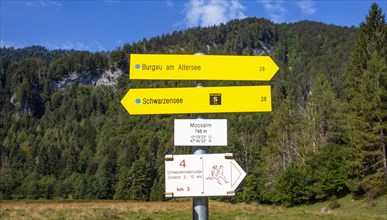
(108, 78)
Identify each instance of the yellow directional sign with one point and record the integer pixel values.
(209, 67)
(198, 100)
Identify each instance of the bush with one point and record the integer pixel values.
(334, 203)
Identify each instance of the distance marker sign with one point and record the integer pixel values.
(198, 100)
(202, 175)
(194, 67)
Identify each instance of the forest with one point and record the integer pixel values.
(324, 138)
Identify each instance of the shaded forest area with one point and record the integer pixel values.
(324, 138)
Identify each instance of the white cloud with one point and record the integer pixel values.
(44, 3)
(50, 3)
(169, 3)
(275, 10)
(212, 12)
(99, 46)
(13, 44)
(5, 44)
(112, 1)
(307, 7)
(66, 45)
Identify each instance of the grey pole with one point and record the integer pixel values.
(200, 204)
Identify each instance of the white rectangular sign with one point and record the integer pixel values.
(200, 132)
(194, 175)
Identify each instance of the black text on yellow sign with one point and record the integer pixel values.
(209, 67)
(198, 100)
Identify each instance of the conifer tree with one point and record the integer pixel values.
(365, 94)
(319, 112)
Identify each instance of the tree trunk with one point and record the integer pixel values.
(383, 145)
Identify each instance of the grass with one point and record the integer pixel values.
(182, 209)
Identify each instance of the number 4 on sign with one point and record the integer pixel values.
(182, 163)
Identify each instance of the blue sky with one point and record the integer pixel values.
(97, 25)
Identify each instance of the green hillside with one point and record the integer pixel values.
(325, 137)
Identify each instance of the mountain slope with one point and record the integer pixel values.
(78, 142)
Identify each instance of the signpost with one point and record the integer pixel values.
(209, 67)
(200, 175)
(195, 175)
(200, 132)
(198, 100)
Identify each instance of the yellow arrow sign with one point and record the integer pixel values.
(209, 67)
(198, 100)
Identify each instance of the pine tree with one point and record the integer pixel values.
(365, 94)
(319, 111)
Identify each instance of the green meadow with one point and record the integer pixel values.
(348, 208)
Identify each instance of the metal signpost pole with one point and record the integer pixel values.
(200, 204)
